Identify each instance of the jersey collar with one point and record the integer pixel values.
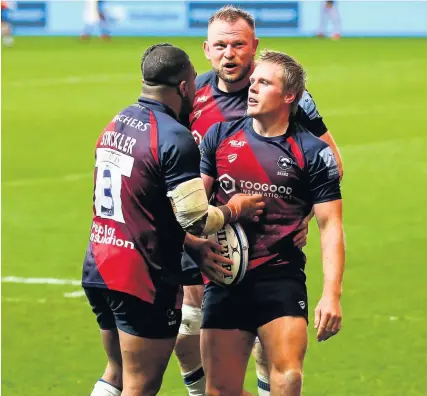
(243, 92)
(289, 131)
(156, 105)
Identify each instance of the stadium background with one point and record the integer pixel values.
(57, 95)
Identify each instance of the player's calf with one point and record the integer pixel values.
(285, 343)
(187, 350)
(261, 369)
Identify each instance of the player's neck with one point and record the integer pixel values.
(232, 87)
(164, 99)
(269, 126)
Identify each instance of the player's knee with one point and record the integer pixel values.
(140, 386)
(191, 320)
(187, 347)
(229, 386)
(141, 382)
(152, 387)
(293, 376)
(286, 378)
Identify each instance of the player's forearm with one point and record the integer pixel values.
(333, 256)
(190, 241)
(212, 221)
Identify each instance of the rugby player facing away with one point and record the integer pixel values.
(147, 193)
(296, 172)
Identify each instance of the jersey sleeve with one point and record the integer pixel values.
(208, 151)
(324, 182)
(308, 116)
(179, 158)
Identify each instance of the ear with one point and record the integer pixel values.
(255, 45)
(206, 50)
(289, 98)
(183, 88)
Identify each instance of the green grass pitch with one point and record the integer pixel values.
(57, 96)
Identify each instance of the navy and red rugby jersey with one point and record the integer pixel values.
(293, 172)
(135, 240)
(211, 105)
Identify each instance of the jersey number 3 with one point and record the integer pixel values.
(112, 165)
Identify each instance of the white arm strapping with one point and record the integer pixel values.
(191, 204)
(214, 222)
(190, 201)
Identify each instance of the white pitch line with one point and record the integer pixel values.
(81, 293)
(75, 294)
(40, 281)
(23, 300)
(43, 281)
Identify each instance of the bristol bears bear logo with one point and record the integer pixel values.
(284, 163)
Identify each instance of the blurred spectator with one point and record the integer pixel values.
(94, 14)
(6, 25)
(329, 12)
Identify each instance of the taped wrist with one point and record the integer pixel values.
(189, 202)
(214, 220)
(235, 213)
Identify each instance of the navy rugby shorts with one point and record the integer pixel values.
(264, 294)
(115, 309)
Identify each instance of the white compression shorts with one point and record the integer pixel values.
(191, 320)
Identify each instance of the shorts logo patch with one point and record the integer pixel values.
(301, 304)
(170, 313)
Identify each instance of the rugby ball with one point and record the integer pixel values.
(234, 240)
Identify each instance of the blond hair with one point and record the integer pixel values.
(294, 77)
(230, 13)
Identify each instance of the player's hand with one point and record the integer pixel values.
(327, 317)
(246, 206)
(204, 252)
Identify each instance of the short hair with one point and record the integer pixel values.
(294, 76)
(230, 13)
(164, 64)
